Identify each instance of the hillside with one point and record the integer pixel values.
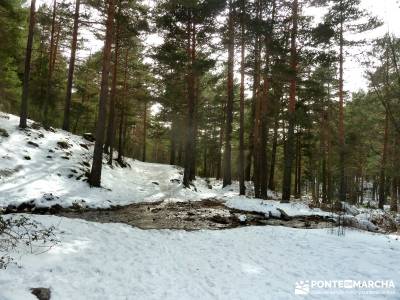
(50, 166)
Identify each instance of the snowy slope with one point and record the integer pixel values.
(114, 261)
(59, 173)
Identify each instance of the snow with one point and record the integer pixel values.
(242, 218)
(115, 261)
(41, 176)
(56, 180)
(273, 207)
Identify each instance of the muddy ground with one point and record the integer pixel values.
(206, 214)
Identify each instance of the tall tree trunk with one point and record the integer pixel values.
(256, 85)
(83, 99)
(342, 186)
(109, 146)
(256, 148)
(323, 148)
(362, 188)
(122, 108)
(395, 176)
(328, 141)
(180, 153)
(242, 187)
(288, 157)
(324, 179)
(271, 184)
(227, 179)
(374, 188)
(67, 107)
(205, 153)
(190, 131)
(95, 174)
(256, 142)
(298, 168)
(27, 70)
(220, 143)
(41, 68)
(144, 137)
(173, 139)
(394, 196)
(265, 106)
(50, 69)
(55, 50)
(195, 121)
(296, 172)
(382, 176)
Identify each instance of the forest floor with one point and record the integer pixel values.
(203, 214)
(143, 236)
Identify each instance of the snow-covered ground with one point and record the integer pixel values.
(35, 167)
(53, 175)
(273, 207)
(115, 261)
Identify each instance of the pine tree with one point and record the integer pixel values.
(289, 146)
(346, 16)
(28, 55)
(95, 174)
(67, 107)
(241, 159)
(227, 179)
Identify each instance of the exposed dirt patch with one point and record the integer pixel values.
(206, 214)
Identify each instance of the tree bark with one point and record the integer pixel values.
(256, 134)
(191, 94)
(144, 137)
(382, 176)
(67, 107)
(256, 85)
(109, 146)
(227, 179)
(95, 174)
(196, 80)
(173, 140)
(297, 190)
(122, 108)
(271, 184)
(220, 143)
(342, 186)
(394, 196)
(288, 157)
(27, 70)
(395, 175)
(50, 68)
(265, 107)
(55, 50)
(242, 187)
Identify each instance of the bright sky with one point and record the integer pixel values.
(386, 10)
(389, 12)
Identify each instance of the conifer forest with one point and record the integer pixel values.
(199, 149)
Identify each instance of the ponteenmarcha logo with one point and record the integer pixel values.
(372, 287)
(302, 287)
